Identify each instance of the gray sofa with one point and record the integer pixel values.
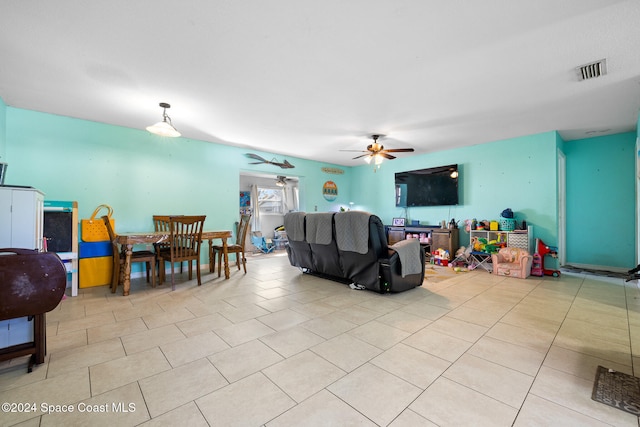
(351, 247)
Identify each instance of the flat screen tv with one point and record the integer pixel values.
(427, 187)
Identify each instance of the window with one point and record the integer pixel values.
(270, 200)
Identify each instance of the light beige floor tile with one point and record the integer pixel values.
(540, 412)
(176, 387)
(381, 305)
(114, 330)
(61, 342)
(158, 320)
(124, 406)
(408, 418)
(580, 364)
(512, 356)
(237, 405)
(378, 334)
(243, 313)
(535, 339)
(291, 341)
(244, 360)
(412, 365)
(152, 338)
(314, 309)
(303, 375)
(447, 403)
(283, 319)
(404, 321)
(66, 361)
(116, 373)
(357, 314)
(322, 409)
(278, 304)
(458, 328)
(575, 393)
(346, 351)
(443, 346)
(243, 332)
(188, 415)
(328, 326)
(202, 324)
(594, 329)
(475, 316)
(104, 318)
(501, 383)
(193, 348)
(428, 311)
(60, 390)
(137, 310)
(392, 395)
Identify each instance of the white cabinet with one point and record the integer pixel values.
(21, 217)
(21, 226)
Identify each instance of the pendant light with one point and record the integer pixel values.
(165, 127)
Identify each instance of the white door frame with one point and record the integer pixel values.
(562, 208)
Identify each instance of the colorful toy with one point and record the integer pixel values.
(542, 251)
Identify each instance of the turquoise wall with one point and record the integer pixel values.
(601, 202)
(140, 174)
(518, 173)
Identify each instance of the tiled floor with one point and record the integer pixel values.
(276, 347)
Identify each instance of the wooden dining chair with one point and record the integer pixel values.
(184, 245)
(148, 257)
(161, 223)
(235, 248)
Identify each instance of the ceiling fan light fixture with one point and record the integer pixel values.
(281, 181)
(165, 127)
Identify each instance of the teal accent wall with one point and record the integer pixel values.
(140, 174)
(517, 173)
(601, 201)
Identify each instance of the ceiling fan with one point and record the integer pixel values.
(281, 181)
(377, 151)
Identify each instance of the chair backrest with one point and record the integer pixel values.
(186, 236)
(161, 222)
(243, 227)
(112, 235)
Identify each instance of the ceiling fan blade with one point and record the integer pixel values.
(388, 156)
(399, 150)
(355, 151)
(363, 155)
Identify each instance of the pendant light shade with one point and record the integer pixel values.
(165, 127)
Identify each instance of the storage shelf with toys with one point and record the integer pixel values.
(491, 240)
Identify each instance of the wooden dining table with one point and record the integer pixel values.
(127, 240)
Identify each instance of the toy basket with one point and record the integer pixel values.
(507, 224)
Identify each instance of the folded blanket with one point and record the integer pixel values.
(294, 225)
(320, 228)
(352, 231)
(409, 252)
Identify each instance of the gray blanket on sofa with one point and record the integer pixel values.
(320, 228)
(294, 226)
(409, 253)
(352, 231)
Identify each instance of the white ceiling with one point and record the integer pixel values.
(308, 78)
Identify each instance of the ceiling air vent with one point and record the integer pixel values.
(592, 70)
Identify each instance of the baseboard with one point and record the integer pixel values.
(597, 267)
